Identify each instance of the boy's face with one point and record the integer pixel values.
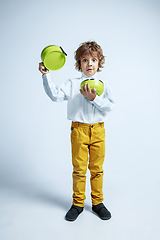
(89, 64)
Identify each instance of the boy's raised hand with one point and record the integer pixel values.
(86, 92)
(42, 68)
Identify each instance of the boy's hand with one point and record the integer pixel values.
(42, 68)
(87, 92)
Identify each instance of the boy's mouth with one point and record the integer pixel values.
(89, 69)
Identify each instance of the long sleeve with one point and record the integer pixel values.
(107, 102)
(56, 93)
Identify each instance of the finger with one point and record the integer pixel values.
(82, 88)
(41, 64)
(94, 91)
(41, 69)
(88, 88)
(81, 91)
(85, 87)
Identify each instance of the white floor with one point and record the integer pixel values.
(32, 212)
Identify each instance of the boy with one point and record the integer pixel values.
(88, 113)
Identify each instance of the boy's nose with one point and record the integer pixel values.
(90, 62)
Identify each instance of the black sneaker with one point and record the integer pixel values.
(101, 211)
(73, 213)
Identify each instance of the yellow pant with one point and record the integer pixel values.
(87, 140)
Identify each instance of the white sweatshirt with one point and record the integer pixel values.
(79, 108)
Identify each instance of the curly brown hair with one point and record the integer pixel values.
(90, 47)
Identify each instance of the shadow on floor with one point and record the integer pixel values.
(40, 194)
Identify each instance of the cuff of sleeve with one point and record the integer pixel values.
(46, 77)
(96, 101)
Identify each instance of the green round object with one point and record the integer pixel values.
(94, 83)
(53, 57)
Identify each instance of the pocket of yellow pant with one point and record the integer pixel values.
(74, 134)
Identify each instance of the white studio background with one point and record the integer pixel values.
(35, 158)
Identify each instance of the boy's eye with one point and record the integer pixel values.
(94, 59)
(84, 60)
